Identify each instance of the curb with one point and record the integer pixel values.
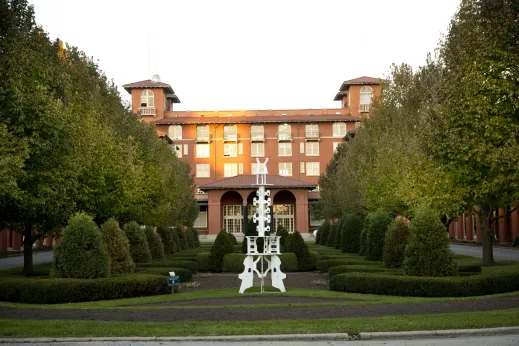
(284, 337)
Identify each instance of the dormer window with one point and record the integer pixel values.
(147, 98)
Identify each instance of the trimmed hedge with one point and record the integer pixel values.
(191, 265)
(233, 263)
(121, 261)
(324, 265)
(155, 243)
(350, 233)
(166, 234)
(419, 286)
(342, 256)
(202, 259)
(469, 268)
(360, 269)
(378, 224)
(57, 290)
(183, 273)
(139, 248)
(394, 244)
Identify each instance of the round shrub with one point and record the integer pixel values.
(166, 235)
(428, 252)
(378, 224)
(121, 261)
(222, 246)
(394, 244)
(297, 245)
(331, 236)
(350, 234)
(81, 252)
(154, 242)
(139, 248)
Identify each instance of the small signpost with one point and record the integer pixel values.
(173, 280)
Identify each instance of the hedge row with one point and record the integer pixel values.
(58, 290)
(324, 265)
(360, 269)
(419, 286)
(233, 262)
(202, 260)
(184, 275)
(191, 265)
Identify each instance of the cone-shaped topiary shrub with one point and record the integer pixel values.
(296, 244)
(337, 242)
(121, 261)
(283, 233)
(196, 236)
(233, 238)
(428, 252)
(394, 244)
(222, 246)
(364, 235)
(331, 235)
(166, 234)
(378, 224)
(139, 248)
(176, 240)
(81, 253)
(190, 239)
(325, 230)
(350, 234)
(182, 239)
(154, 242)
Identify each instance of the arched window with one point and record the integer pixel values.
(339, 129)
(147, 98)
(366, 93)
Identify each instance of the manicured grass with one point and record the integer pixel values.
(71, 328)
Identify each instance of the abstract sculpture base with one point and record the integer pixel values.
(251, 267)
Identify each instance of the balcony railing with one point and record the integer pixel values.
(312, 134)
(230, 138)
(203, 138)
(148, 111)
(258, 138)
(364, 108)
(284, 136)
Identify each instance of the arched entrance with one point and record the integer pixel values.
(232, 203)
(285, 210)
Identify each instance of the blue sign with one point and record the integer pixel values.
(173, 280)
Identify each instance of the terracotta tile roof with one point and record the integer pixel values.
(148, 83)
(339, 95)
(364, 80)
(257, 119)
(246, 182)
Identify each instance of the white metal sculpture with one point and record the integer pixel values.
(262, 260)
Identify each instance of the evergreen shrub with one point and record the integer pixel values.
(233, 238)
(297, 245)
(283, 233)
(154, 242)
(202, 259)
(81, 252)
(182, 239)
(395, 241)
(378, 224)
(196, 236)
(118, 247)
(222, 246)
(251, 232)
(428, 252)
(176, 240)
(166, 234)
(337, 242)
(139, 248)
(351, 230)
(190, 238)
(330, 239)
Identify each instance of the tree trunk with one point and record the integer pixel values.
(487, 236)
(27, 250)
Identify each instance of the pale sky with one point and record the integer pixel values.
(222, 55)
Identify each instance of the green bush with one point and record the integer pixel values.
(418, 286)
(395, 241)
(251, 232)
(297, 245)
(363, 242)
(139, 248)
(222, 246)
(359, 269)
(469, 268)
(58, 290)
(342, 256)
(283, 233)
(191, 265)
(428, 252)
(233, 238)
(166, 234)
(331, 236)
(316, 257)
(378, 224)
(176, 240)
(350, 233)
(182, 239)
(81, 252)
(183, 274)
(118, 247)
(337, 242)
(202, 259)
(325, 265)
(325, 231)
(233, 263)
(196, 236)
(154, 242)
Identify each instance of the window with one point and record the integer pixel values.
(365, 95)
(284, 216)
(312, 169)
(175, 132)
(230, 150)
(202, 151)
(253, 168)
(202, 170)
(256, 133)
(147, 98)
(257, 149)
(284, 132)
(177, 148)
(335, 145)
(301, 167)
(202, 133)
(312, 148)
(284, 149)
(301, 148)
(230, 169)
(230, 133)
(285, 169)
(233, 218)
(201, 219)
(339, 129)
(313, 219)
(312, 131)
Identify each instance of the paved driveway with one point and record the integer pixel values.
(17, 261)
(500, 254)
